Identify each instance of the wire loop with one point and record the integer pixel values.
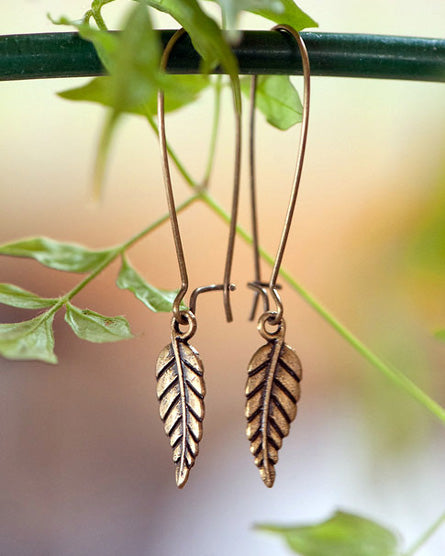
(276, 316)
(227, 286)
(189, 320)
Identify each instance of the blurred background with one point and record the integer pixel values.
(85, 467)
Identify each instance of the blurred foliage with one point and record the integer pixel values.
(343, 534)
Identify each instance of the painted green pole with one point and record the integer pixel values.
(47, 55)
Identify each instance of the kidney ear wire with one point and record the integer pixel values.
(257, 283)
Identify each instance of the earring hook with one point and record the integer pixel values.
(169, 189)
(298, 170)
(233, 219)
(253, 203)
(226, 287)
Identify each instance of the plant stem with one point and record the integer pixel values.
(426, 536)
(157, 223)
(215, 128)
(100, 22)
(390, 372)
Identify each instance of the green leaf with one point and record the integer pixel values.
(206, 36)
(97, 5)
(232, 8)
(97, 328)
(440, 335)
(291, 15)
(68, 257)
(105, 43)
(135, 76)
(155, 299)
(343, 534)
(136, 73)
(17, 297)
(31, 339)
(279, 11)
(182, 90)
(132, 59)
(277, 99)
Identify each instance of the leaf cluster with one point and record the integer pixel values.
(34, 338)
(132, 61)
(134, 76)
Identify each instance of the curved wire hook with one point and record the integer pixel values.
(253, 203)
(205, 289)
(233, 219)
(298, 169)
(169, 189)
(226, 287)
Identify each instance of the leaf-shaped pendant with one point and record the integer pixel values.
(272, 392)
(181, 390)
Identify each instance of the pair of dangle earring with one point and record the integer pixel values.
(179, 369)
(274, 371)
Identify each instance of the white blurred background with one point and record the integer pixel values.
(85, 467)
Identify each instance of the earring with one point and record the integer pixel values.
(274, 372)
(179, 369)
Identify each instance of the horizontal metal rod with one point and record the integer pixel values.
(48, 55)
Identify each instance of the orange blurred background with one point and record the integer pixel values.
(85, 467)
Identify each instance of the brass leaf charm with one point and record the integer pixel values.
(272, 392)
(181, 390)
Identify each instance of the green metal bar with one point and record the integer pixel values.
(47, 55)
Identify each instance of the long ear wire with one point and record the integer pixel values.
(179, 317)
(233, 219)
(257, 284)
(298, 169)
(227, 287)
(253, 204)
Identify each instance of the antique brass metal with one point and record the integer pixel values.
(272, 391)
(274, 372)
(181, 390)
(179, 370)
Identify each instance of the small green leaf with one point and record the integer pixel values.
(31, 339)
(232, 8)
(68, 257)
(277, 99)
(136, 74)
(343, 534)
(182, 90)
(206, 36)
(440, 335)
(156, 300)
(291, 15)
(132, 59)
(97, 328)
(105, 43)
(17, 297)
(279, 11)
